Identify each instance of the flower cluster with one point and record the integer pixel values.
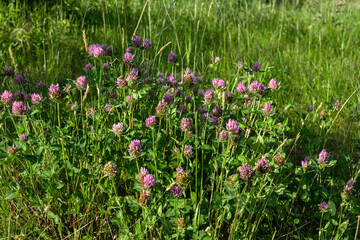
(279, 159)
(255, 67)
(217, 111)
(40, 86)
(168, 98)
(137, 42)
(88, 67)
(273, 84)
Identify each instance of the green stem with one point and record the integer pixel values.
(58, 113)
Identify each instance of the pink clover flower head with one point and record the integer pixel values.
(55, 92)
(147, 44)
(128, 57)
(107, 107)
(218, 83)
(232, 126)
(23, 137)
(135, 148)
(141, 175)
(350, 184)
(161, 109)
(185, 124)
(176, 191)
(88, 67)
(323, 157)
(81, 82)
(36, 98)
(257, 87)
(106, 66)
(273, 84)
(40, 86)
(149, 181)
(323, 206)
(121, 83)
(12, 150)
(262, 165)
(8, 71)
(209, 96)
(336, 105)
(255, 67)
(268, 109)
(172, 58)
(118, 128)
(96, 50)
(7, 98)
(168, 98)
(188, 151)
(19, 108)
(241, 88)
(137, 42)
(223, 136)
(217, 111)
(246, 172)
(150, 121)
(133, 75)
(110, 170)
